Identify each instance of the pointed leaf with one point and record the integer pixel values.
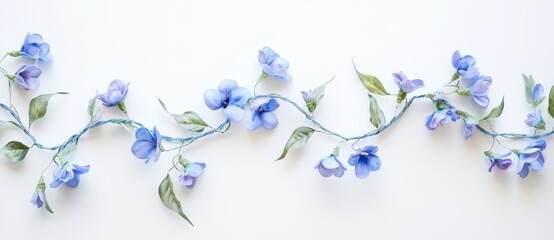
(165, 190)
(15, 151)
(38, 106)
(318, 94)
(377, 118)
(529, 85)
(297, 139)
(551, 102)
(495, 112)
(68, 149)
(189, 119)
(92, 106)
(2, 122)
(372, 83)
(129, 127)
(336, 151)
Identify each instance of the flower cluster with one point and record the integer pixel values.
(234, 101)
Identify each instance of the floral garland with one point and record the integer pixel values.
(232, 100)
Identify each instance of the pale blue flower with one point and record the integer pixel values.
(230, 97)
(117, 91)
(69, 174)
(39, 196)
(465, 66)
(27, 77)
(148, 144)
(442, 116)
(330, 165)
(190, 173)
(34, 47)
(405, 84)
(535, 120)
(538, 93)
(469, 126)
(273, 65)
(479, 91)
(365, 160)
(531, 157)
(263, 115)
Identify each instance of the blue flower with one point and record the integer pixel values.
(230, 97)
(538, 94)
(190, 173)
(273, 65)
(34, 47)
(365, 161)
(469, 126)
(117, 91)
(502, 162)
(263, 115)
(442, 116)
(535, 120)
(330, 165)
(405, 84)
(69, 174)
(531, 157)
(39, 196)
(148, 144)
(27, 77)
(479, 91)
(465, 66)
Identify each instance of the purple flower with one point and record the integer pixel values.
(273, 65)
(190, 173)
(39, 196)
(230, 97)
(117, 91)
(307, 96)
(531, 157)
(535, 120)
(465, 66)
(33, 47)
(69, 174)
(263, 115)
(27, 77)
(148, 144)
(330, 165)
(365, 161)
(502, 162)
(405, 84)
(469, 126)
(442, 116)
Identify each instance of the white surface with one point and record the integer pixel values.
(431, 185)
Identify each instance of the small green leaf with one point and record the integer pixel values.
(15, 151)
(68, 149)
(92, 106)
(377, 118)
(551, 102)
(189, 119)
(129, 127)
(297, 139)
(336, 151)
(38, 106)
(2, 122)
(372, 83)
(318, 94)
(165, 190)
(455, 76)
(529, 85)
(495, 112)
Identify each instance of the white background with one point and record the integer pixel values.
(432, 184)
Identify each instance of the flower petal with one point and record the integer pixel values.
(233, 112)
(268, 120)
(239, 96)
(213, 99)
(362, 169)
(143, 149)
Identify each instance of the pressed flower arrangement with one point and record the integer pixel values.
(232, 100)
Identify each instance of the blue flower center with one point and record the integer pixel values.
(225, 103)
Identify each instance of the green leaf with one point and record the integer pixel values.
(165, 190)
(377, 118)
(2, 122)
(336, 151)
(129, 127)
(189, 119)
(318, 94)
(372, 83)
(529, 85)
(495, 112)
(68, 149)
(297, 139)
(15, 151)
(92, 106)
(38, 106)
(551, 102)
